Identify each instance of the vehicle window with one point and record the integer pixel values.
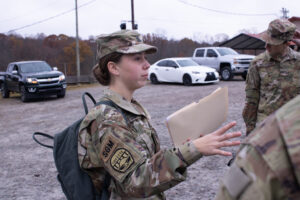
(172, 64)
(15, 68)
(35, 67)
(211, 53)
(187, 62)
(227, 51)
(200, 53)
(162, 63)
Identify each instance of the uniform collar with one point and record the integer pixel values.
(133, 106)
(289, 56)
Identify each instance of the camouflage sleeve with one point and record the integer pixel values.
(137, 174)
(252, 98)
(249, 177)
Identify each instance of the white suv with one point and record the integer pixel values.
(225, 60)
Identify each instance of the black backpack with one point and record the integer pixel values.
(75, 182)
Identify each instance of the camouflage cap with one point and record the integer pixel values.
(124, 41)
(279, 31)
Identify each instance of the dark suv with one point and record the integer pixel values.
(32, 79)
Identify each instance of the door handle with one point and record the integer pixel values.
(167, 69)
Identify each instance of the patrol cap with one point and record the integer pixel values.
(279, 31)
(124, 41)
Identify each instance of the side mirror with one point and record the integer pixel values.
(14, 72)
(175, 66)
(54, 68)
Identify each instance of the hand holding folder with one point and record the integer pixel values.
(199, 118)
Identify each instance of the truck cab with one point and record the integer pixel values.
(225, 60)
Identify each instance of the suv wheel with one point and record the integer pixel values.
(61, 94)
(226, 73)
(24, 95)
(4, 91)
(187, 80)
(153, 79)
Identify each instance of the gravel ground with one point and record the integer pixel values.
(28, 170)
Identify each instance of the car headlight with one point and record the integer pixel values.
(196, 72)
(31, 80)
(62, 77)
(235, 61)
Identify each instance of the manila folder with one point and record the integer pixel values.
(196, 119)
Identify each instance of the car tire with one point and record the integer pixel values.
(153, 79)
(187, 80)
(4, 91)
(61, 94)
(244, 76)
(24, 94)
(226, 73)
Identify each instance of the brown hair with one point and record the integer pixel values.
(101, 72)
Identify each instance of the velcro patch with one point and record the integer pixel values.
(109, 145)
(121, 160)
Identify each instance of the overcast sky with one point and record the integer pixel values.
(173, 18)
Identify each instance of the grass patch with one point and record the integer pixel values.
(81, 85)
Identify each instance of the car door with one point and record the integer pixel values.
(15, 78)
(211, 58)
(160, 70)
(173, 72)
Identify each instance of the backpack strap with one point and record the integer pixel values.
(44, 135)
(84, 101)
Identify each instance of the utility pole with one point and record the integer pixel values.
(77, 46)
(284, 13)
(132, 15)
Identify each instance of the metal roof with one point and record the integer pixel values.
(244, 41)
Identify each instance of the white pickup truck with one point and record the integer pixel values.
(225, 60)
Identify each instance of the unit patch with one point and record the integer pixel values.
(109, 146)
(121, 160)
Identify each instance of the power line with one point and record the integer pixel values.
(225, 12)
(30, 12)
(49, 18)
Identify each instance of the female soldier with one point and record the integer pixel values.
(121, 142)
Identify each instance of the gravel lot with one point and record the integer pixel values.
(28, 170)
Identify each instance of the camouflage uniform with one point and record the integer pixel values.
(130, 152)
(271, 82)
(267, 166)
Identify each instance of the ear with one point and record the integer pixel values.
(113, 68)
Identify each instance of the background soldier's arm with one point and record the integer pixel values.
(252, 98)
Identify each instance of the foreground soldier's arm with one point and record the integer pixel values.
(136, 173)
(252, 98)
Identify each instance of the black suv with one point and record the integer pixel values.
(32, 79)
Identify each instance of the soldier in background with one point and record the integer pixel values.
(267, 166)
(274, 76)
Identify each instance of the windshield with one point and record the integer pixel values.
(35, 67)
(227, 51)
(186, 63)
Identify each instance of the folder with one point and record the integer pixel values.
(199, 118)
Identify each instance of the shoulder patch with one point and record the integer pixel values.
(236, 181)
(109, 145)
(121, 160)
(120, 157)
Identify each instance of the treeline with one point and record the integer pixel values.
(59, 50)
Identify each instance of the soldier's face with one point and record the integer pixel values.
(276, 50)
(133, 70)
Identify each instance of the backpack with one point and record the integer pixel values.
(75, 182)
